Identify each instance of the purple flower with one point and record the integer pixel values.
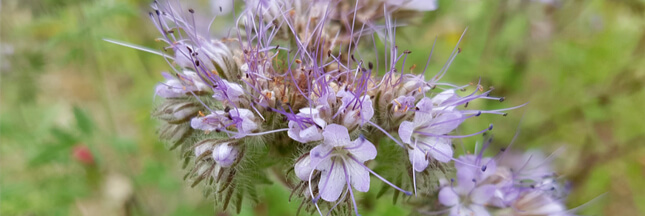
(357, 110)
(403, 104)
(180, 86)
(538, 203)
(472, 191)
(242, 119)
(466, 203)
(309, 131)
(341, 162)
(210, 122)
(426, 134)
(229, 91)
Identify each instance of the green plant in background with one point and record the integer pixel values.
(579, 64)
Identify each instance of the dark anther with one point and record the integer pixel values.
(230, 117)
(372, 97)
(197, 63)
(150, 13)
(239, 77)
(416, 108)
(157, 11)
(533, 186)
(329, 53)
(502, 149)
(191, 10)
(505, 114)
(227, 109)
(269, 109)
(189, 50)
(407, 51)
(459, 50)
(218, 130)
(474, 180)
(220, 8)
(490, 127)
(370, 65)
(502, 99)
(552, 188)
(277, 47)
(353, 59)
(478, 113)
(484, 168)
(466, 105)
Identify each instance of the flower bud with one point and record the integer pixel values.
(225, 154)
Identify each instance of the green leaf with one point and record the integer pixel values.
(83, 121)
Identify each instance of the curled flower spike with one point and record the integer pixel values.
(292, 78)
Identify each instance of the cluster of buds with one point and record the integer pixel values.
(289, 92)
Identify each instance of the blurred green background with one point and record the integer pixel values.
(67, 94)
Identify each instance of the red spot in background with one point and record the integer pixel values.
(83, 154)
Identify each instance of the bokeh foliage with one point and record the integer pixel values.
(580, 65)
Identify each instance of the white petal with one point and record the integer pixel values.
(448, 197)
(332, 182)
(303, 168)
(423, 115)
(336, 135)
(440, 149)
(418, 159)
(359, 175)
(405, 131)
(483, 193)
(362, 149)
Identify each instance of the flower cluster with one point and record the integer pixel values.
(288, 90)
(509, 184)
